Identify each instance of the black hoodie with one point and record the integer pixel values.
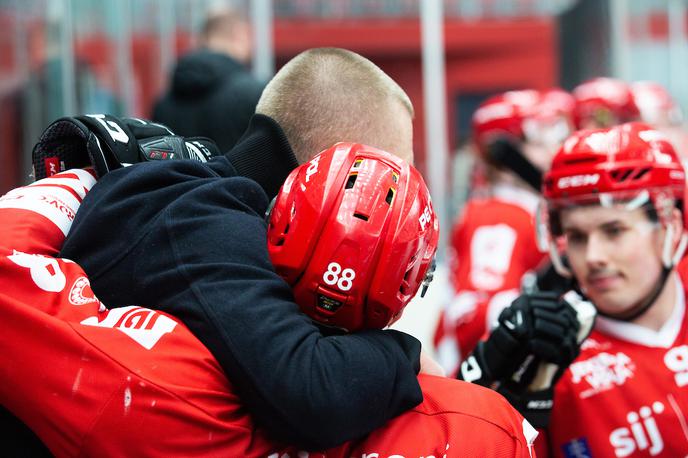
(190, 239)
(211, 95)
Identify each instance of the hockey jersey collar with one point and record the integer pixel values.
(263, 154)
(514, 195)
(631, 332)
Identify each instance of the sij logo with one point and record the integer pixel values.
(145, 326)
(641, 434)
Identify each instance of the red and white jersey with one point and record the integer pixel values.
(135, 382)
(493, 245)
(96, 382)
(626, 395)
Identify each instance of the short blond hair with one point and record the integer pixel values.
(327, 95)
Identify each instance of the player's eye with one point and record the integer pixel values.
(575, 238)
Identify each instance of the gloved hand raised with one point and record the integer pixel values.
(538, 336)
(107, 143)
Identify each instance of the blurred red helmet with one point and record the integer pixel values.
(604, 102)
(656, 105)
(630, 164)
(528, 115)
(354, 233)
(501, 116)
(550, 120)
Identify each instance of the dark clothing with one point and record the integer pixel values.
(190, 239)
(211, 95)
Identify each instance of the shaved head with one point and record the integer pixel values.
(328, 95)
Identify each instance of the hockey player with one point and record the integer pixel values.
(493, 244)
(131, 381)
(615, 200)
(189, 237)
(659, 109)
(604, 102)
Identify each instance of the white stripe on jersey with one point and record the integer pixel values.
(49, 198)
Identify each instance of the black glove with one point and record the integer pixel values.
(107, 143)
(536, 340)
(548, 279)
(536, 324)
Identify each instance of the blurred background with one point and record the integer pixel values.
(64, 57)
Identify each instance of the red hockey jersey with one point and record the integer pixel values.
(135, 382)
(626, 395)
(493, 245)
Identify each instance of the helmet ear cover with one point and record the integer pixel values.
(354, 233)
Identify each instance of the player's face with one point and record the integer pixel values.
(614, 253)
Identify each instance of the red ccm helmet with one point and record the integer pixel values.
(354, 233)
(604, 102)
(631, 165)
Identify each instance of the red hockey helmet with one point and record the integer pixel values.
(550, 120)
(656, 105)
(631, 164)
(501, 116)
(354, 233)
(604, 102)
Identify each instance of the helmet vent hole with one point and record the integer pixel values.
(404, 287)
(350, 182)
(280, 242)
(390, 196)
(361, 216)
(626, 174)
(357, 163)
(641, 173)
(395, 177)
(407, 275)
(286, 229)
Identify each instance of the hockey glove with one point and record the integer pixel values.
(531, 322)
(536, 328)
(107, 143)
(531, 388)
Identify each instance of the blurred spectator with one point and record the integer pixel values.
(212, 93)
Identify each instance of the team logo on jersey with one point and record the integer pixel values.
(81, 292)
(602, 372)
(145, 326)
(577, 448)
(641, 433)
(676, 359)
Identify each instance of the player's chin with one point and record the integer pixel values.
(610, 303)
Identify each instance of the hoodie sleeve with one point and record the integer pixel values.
(203, 258)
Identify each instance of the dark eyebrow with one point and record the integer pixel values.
(607, 225)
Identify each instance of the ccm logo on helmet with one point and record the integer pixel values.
(576, 181)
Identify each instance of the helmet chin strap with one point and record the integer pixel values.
(668, 263)
(644, 305)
